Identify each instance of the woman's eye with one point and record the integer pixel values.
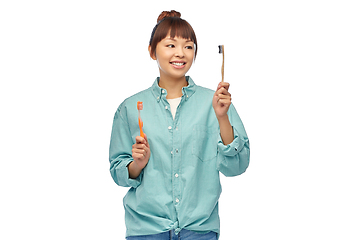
(171, 46)
(189, 47)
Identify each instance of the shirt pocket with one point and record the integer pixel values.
(204, 145)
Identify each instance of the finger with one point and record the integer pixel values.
(138, 152)
(138, 156)
(140, 139)
(224, 99)
(138, 146)
(223, 96)
(224, 102)
(223, 91)
(224, 85)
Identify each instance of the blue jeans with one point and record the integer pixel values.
(182, 235)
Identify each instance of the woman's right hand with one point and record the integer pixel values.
(141, 156)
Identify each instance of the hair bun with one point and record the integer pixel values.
(166, 14)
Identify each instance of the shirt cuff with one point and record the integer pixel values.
(134, 183)
(234, 147)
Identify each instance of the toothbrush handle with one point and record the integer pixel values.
(222, 72)
(141, 127)
(222, 68)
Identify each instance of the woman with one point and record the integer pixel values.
(191, 134)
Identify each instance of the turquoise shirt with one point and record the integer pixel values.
(180, 186)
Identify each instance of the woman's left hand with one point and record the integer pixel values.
(221, 100)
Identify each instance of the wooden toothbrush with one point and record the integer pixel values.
(221, 50)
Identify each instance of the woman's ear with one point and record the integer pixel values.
(151, 55)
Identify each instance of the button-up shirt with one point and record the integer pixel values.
(180, 186)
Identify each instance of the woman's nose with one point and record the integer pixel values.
(179, 53)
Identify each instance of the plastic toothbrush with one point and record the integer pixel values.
(140, 107)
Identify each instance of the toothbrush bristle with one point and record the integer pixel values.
(221, 47)
(139, 105)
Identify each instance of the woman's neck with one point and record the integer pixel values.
(173, 86)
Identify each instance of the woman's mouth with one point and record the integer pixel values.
(178, 64)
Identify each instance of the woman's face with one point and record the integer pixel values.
(174, 56)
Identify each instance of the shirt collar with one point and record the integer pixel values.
(187, 91)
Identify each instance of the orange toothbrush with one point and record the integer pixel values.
(140, 107)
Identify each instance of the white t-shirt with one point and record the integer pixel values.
(174, 103)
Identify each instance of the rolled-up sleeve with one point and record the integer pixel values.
(233, 159)
(120, 154)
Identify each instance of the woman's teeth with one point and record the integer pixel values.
(177, 64)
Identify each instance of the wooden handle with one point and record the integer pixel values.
(222, 68)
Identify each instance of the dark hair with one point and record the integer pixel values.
(171, 22)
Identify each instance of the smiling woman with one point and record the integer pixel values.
(191, 134)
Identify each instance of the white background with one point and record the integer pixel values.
(293, 66)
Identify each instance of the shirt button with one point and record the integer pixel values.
(177, 200)
(176, 175)
(163, 91)
(169, 127)
(177, 150)
(166, 107)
